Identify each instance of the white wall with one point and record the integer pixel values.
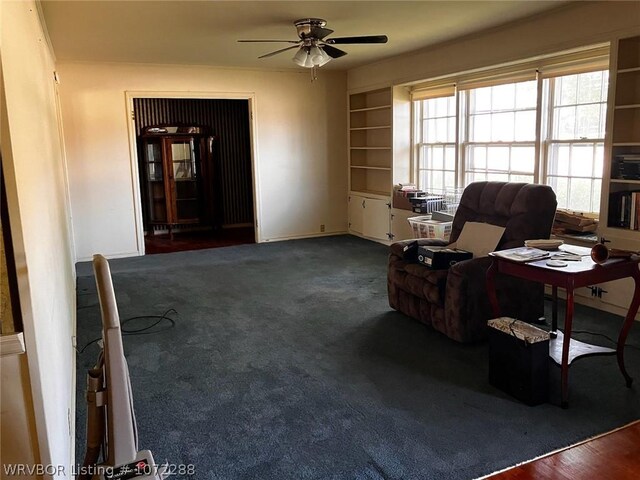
(300, 140)
(575, 25)
(36, 197)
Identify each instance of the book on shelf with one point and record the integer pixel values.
(624, 209)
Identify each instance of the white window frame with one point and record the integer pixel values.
(420, 145)
(594, 58)
(595, 143)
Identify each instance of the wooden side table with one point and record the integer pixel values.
(563, 350)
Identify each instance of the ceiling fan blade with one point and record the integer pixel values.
(363, 39)
(269, 41)
(333, 52)
(319, 32)
(277, 52)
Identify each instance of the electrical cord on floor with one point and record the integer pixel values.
(586, 332)
(140, 331)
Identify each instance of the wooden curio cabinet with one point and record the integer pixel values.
(177, 177)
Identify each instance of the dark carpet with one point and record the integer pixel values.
(286, 362)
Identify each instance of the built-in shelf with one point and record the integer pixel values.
(624, 132)
(378, 127)
(370, 148)
(622, 180)
(622, 107)
(368, 109)
(629, 70)
(364, 167)
(376, 193)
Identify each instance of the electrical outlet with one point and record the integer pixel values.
(322, 227)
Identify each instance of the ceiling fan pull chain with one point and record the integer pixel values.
(314, 73)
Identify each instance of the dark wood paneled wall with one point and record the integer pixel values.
(229, 122)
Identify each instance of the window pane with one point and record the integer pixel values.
(580, 194)
(480, 128)
(559, 159)
(588, 125)
(503, 97)
(566, 90)
(502, 127)
(589, 87)
(450, 157)
(525, 128)
(595, 195)
(521, 178)
(599, 161)
(526, 94)
(438, 158)
(441, 107)
(429, 133)
(498, 177)
(477, 158)
(449, 179)
(565, 125)
(523, 159)
(498, 158)
(560, 185)
(481, 100)
(442, 130)
(581, 160)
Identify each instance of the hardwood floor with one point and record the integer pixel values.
(614, 455)
(198, 240)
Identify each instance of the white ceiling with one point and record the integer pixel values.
(206, 32)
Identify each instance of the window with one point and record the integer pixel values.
(575, 138)
(501, 133)
(437, 144)
(529, 123)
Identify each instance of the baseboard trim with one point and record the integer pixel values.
(12, 344)
(300, 237)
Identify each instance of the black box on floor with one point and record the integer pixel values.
(519, 360)
(441, 258)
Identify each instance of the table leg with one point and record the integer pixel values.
(491, 288)
(564, 367)
(626, 326)
(554, 312)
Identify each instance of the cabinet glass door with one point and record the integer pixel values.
(156, 197)
(183, 164)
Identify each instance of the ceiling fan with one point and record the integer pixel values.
(314, 49)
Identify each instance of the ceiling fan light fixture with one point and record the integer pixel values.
(302, 57)
(318, 56)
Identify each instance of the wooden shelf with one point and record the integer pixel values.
(370, 148)
(622, 180)
(370, 139)
(629, 70)
(629, 53)
(368, 109)
(377, 193)
(364, 167)
(624, 131)
(623, 107)
(379, 127)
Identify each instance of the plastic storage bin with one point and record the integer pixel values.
(424, 227)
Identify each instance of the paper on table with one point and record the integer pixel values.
(479, 238)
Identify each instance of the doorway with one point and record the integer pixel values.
(225, 179)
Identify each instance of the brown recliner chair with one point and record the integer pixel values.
(455, 301)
